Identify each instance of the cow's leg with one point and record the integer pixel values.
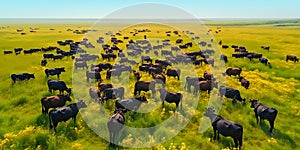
(58, 76)
(236, 142)
(110, 138)
(218, 135)
(74, 118)
(271, 125)
(256, 116)
(215, 130)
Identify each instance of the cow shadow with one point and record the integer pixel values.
(277, 134)
(42, 120)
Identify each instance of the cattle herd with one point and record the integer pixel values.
(161, 70)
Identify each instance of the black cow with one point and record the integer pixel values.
(65, 113)
(266, 48)
(48, 56)
(224, 58)
(147, 59)
(93, 75)
(54, 102)
(137, 75)
(207, 85)
(21, 77)
(130, 104)
(231, 93)
(144, 86)
(44, 62)
(192, 82)
(292, 58)
(159, 77)
(54, 71)
(112, 93)
(233, 72)
(225, 46)
(264, 112)
(170, 97)
(55, 57)
(95, 94)
(113, 72)
(166, 52)
(173, 73)
(242, 55)
(58, 85)
(115, 124)
(264, 61)
(251, 56)
(102, 86)
(7, 52)
(225, 127)
(245, 83)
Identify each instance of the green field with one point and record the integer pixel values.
(23, 126)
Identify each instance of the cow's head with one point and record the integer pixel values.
(69, 91)
(81, 104)
(142, 99)
(32, 76)
(209, 111)
(253, 103)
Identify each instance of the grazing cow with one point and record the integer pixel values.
(264, 61)
(292, 58)
(81, 64)
(115, 124)
(170, 97)
(44, 62)
(21, 77)
(54, 71)
(58, 85)
(95, 94)
(7, 52)
(233, 72)
(192, 82)
(137, 75)
(144, 86)
(251, 56)
(245, 83)
(166, 52)
(54, 102)
(147, 59)
(113, 72)
(173, 73)
(112, 93)
(55, 57)
(164, 63)
(231, 93)
(65, 113)
(225, 127)
(242, 55)
(264, 112)
(102, 86)
(224, 58)
(48, 56)
(209, 61)
(225, 46)
(234, 46)
(93, 75)
(207, 85)
(159, 77)
(266, 47)
(131, 104)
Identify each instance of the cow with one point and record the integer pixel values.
(58, 85)
(131, 104)
(44, 62)
(166, 52)
(164, 63)
(292, 58)
(159, 77)
(112, 93)
(264, 112)
(81, 64)
(115, 124)
(231, 93)
(224, 58)
(245, 83)
(95, 94)
(54, 102)
(265, 48)
(170, 97)
(113, 72)
(137, 75)
(7, 52)
(173, 73)
(242, 55)
(233, 72)
(251, 56)
(54, 71)
(225, 127)
(264, 61)
(144, 86)
(192, 82)
(48, 56)
(102, 86)
(147, 59)
(55, 57)
(207, 85)
(155, 70)
(65, 113)
(225, 46)
(93, 75)
(21, 77)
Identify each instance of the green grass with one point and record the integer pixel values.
(24, 126)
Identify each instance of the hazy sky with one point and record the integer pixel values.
(198, 8)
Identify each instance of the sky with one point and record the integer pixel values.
(197, 8)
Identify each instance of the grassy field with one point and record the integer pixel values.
(24, 126)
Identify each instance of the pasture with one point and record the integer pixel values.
(23, 126)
